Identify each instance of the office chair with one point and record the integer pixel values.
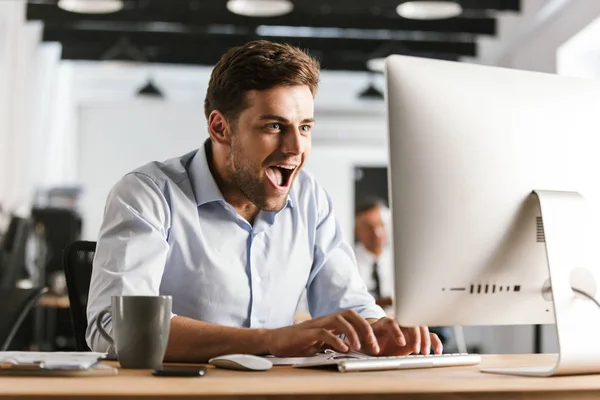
(15, 304)
(77, 259)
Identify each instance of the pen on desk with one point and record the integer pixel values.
(32, 365)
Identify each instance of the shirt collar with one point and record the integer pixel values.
(365, 255)
(203, 183)
(361, 252)
(291, 196)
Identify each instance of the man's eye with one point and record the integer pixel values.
(305, 128)
(274, 125)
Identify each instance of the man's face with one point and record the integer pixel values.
(370, 230)
(270, 142)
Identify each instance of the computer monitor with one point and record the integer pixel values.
(13, 252)
(468, 145)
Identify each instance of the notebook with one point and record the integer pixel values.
(53, 363)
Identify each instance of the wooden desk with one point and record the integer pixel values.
(287, 382)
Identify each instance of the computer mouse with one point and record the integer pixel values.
(242, 362)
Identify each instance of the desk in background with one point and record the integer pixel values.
(289, 383)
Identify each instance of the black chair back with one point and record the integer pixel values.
(78, 258)
(15, 304)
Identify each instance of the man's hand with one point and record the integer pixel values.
(376, 337)
(394, 340)
(311, 336)
(295, 341)
(383, 301)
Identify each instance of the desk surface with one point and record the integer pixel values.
(286, 382)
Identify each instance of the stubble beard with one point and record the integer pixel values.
(248, 180)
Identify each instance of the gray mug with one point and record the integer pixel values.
(141, 326)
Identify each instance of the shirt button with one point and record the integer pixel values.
(257, 278)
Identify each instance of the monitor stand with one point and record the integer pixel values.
(577, 316)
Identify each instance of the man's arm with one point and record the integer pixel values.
(335, 283)
(131, 250)
(385, 301)
(196, 341)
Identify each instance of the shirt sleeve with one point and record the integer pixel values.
(131, 250)
(335, 283)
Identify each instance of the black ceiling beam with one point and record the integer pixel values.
(331, 7)
(331, 60)
(220, 16)
(202, 42)
(497, 5)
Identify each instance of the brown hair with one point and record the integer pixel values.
(257, 65)
(367, 204)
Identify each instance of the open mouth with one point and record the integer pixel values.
(280, 176)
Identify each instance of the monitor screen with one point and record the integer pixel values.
(467, 146)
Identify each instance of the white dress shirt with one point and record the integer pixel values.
(365, 260)
(168, 230)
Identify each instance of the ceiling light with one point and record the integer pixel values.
(429, 9)
(91, 6)
(371, 93)
(123, 53)
(260, 8)
(150, 90)
(376, 64)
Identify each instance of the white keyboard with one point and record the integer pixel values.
(351, 363)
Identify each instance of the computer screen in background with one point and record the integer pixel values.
(12, 252)
(468, 146)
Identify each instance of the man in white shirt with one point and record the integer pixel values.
(235, 231)
(372, 251)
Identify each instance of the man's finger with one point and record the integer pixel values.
(342, 325)
(364, 330)
(425, 340)
(329, 338)
(395, 332)
(436, 342)
(413, 339)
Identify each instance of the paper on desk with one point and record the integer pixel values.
(327, 356)
(52, 360)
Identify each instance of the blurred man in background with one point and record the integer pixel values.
(372, 249)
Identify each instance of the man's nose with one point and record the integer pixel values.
(293, 142)
(380, 231)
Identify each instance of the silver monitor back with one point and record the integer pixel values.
(467, 145)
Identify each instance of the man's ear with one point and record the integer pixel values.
(219, 128)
